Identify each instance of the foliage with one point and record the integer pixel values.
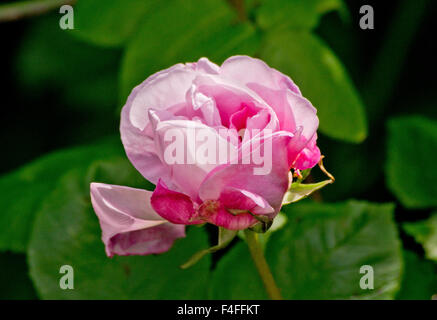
(47, 219)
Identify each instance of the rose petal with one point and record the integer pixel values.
(129, 223)
(225, 219)
(246, 70)
(240, 199)
(229, 97)
(309, 156)
(271, 186)
(190, 150)
(163, 90)
(174, 206)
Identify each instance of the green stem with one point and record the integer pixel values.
(21, 9)
(261, 265)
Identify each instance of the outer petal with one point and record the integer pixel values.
(309, 156)
(164, 90)
(174, 206)
(304, 115)
(129, 223)
(246, 70)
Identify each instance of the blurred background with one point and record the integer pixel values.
(63, 89)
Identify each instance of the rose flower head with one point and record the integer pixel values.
(217, 141)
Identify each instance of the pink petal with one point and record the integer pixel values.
(225, 219)
(129, 223)
(304, 114)
(162, 91)
(240, 199)
(202, 107)
(246, 70)
(228, 96)
(187, 168)
(174, 206)
(205, 66)
(270, 187)
(309, 156)
(277, 90)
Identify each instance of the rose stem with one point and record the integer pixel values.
(261, 265)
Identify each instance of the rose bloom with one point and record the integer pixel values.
(242, 95)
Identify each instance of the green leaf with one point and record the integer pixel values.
(318, 255)
(295, 14)
(411, 166)
(425, 233)
(22, 191)
(109, 23)
(195, 29)
(299, 191)
(67, 232)
(225, 237)
(117, 170)
(322, 79)
(419, 279)
(236, 277)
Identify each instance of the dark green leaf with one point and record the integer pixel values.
(419, 278)
(22, 191)
(322, 79)
(411, 161)
(236, 277)
(425, 233)
(109, 23)
(195, 29)
(296, 14)
(319, 253)
(117, 170)
(67, 232)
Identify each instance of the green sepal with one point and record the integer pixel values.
(224, 238)
(299, 191)
(263, 225)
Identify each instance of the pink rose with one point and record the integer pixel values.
(244, 107)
